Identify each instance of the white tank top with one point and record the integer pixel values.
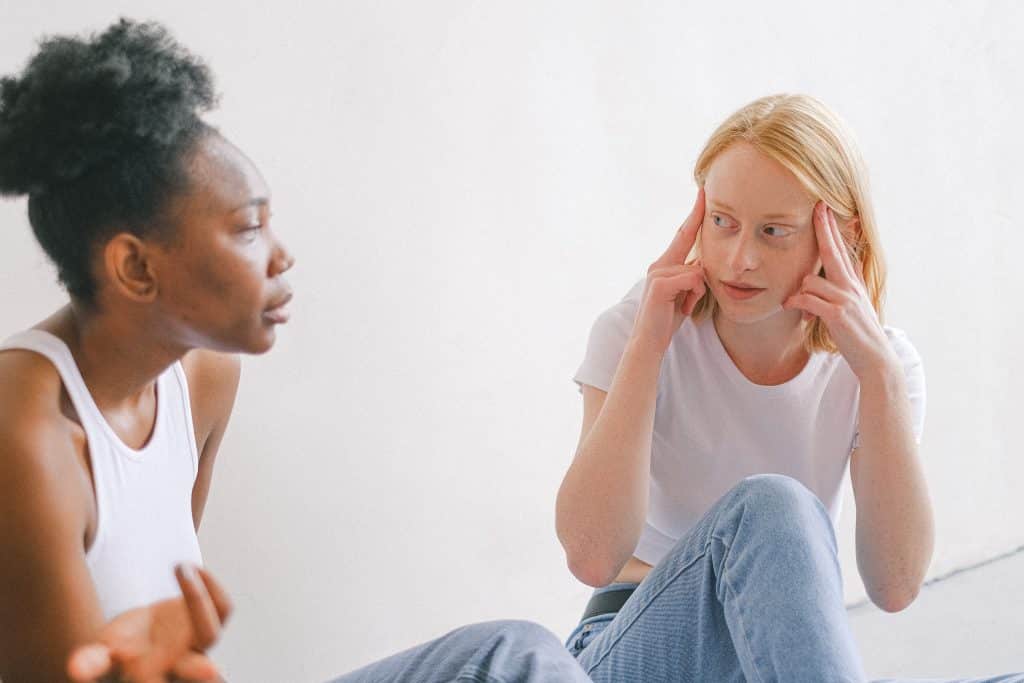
(143, 497)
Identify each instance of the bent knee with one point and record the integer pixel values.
(779, 496)
(525, 634)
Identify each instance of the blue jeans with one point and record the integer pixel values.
(492, 652)
(752, 593)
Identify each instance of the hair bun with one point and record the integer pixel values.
(82, 102)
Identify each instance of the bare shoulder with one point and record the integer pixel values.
(30, 397)
(212, 383)
(38, 439)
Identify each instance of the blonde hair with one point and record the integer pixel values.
(816, 146)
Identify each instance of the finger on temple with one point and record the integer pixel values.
(844, 251)
(686, 236)
(827, 246)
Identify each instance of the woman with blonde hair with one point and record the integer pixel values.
(726, 397)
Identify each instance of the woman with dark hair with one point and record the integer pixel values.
(112, 409)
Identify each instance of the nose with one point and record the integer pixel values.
(282, 260)
(745, 255)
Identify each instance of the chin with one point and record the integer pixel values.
(263, 342)
(744, 315)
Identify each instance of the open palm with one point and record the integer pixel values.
(160, 642)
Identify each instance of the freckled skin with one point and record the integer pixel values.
(753, 186)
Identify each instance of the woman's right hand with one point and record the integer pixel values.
(673, 286)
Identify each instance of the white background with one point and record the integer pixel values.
(466, 185)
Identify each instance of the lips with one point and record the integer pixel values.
(739, 285)
(281, 301)
(740, 290)
(278, 312)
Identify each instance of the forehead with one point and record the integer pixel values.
(222, 178)
(753, 183)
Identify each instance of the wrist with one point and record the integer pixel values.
(885, 371)
(642, 349)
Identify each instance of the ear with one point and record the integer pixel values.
(129, 268)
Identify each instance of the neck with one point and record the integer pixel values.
(120, 355)
(769, 351)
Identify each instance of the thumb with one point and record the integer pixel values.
(89, 662)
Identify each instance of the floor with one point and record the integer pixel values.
(969, 624)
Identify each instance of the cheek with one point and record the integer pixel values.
(220, 283)
(800, 262)
(710, 250)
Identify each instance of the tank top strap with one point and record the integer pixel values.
(174, 402)
(57, 352)
(183, 414)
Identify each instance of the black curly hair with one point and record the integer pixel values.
(96, 131)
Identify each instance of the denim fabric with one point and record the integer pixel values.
(752, 593)
(492, 652)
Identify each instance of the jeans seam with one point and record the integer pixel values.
(626, 628)
(477, 675)
(739, 618)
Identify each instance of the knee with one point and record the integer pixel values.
(780, 499)
(523, 635)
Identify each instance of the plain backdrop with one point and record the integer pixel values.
(466, 185)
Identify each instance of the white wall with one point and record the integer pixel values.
(466, 186)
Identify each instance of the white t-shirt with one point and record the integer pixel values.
(713, 427)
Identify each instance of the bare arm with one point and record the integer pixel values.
(894, 516)
(47, 600)
(895, 528)
(602, 502)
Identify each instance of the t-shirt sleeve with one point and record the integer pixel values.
(607, 342)
(913, 370)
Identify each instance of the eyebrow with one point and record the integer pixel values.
(768, 217)
(255, 201)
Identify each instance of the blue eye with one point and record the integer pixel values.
(779, 232)
(717, 220)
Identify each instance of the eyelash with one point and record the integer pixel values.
(715, 217)
(254, 228)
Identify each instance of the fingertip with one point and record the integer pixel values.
(221, 600)
(185, 572)
(197, 667)
(88, 662)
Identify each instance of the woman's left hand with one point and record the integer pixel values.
(160, 642)
(841, 300)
